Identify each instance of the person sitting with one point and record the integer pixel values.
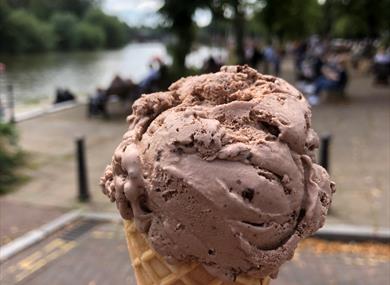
(211, 65)
(154, 81)
(63, 95)
(299, 51)
(98, 103)
(272, 58)
(381, 66)
(334, 78)
(123, 88)
(256, 57)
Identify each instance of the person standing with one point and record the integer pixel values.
(382, 66)
(334, 78)
(256, 57)
(272, 58)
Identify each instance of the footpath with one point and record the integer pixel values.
(93, 252)
(360, 161)
(359, 154)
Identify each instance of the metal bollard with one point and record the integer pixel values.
(324, 151)
(83, 194)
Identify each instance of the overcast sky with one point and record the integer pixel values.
(134, 12)
(137, 12)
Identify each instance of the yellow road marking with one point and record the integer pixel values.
(40, 258)
(25, 263)
(102, 235)
(55, 243)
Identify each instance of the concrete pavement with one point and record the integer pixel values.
(90, 252)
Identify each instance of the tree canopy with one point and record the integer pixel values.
(274, 19)
(40, 25)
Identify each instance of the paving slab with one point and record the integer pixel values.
(91, 252)
(18, 218)
(360, 153)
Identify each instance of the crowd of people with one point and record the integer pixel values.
(319, 65)
(322, 65)
(267, 59)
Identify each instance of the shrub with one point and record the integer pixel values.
(89, 36)
(10, 157)
(116, 32)
(64, 25)
(25, 33)
(350, 26)
(4, 12)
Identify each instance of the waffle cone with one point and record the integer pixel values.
(151, 269)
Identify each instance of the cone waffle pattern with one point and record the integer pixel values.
(151, 269)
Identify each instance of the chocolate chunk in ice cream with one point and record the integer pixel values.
(220, 170)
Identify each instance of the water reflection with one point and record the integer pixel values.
(36, 77)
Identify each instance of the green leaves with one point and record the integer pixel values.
(64, 26)
(89, 37)
(25, 33)
(116, 32)
(41, 25)
(10, 157)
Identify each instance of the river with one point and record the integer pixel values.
(35, 77)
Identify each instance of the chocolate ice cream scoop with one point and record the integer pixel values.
(220, 170)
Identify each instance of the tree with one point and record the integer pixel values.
(238, 26)
(89, 37)
(44, 9)
(115, 31)
(25, 33)
(64, 25)
(178, 16)
(40, 25)
(237, 15)
(349, 26)
(290, 19)
(357, 18)
(4, 12)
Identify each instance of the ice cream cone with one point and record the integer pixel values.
(151, 269)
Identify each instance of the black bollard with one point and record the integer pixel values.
(82, 171)
(324, 151)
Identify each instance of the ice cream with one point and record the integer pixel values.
(220, 170)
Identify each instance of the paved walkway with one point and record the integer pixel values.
(50, 139)
(94, 253)
(360, 155)
(18, 218)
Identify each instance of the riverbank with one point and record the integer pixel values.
(36, 77)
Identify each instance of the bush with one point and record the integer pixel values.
(64, 25)
(89, 37)
(40, 25)
(4, 12)
(116, 32)
(44, 9)
(10, 157)
(350, 26)
(25, 33)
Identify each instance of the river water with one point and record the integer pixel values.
(35, 77)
